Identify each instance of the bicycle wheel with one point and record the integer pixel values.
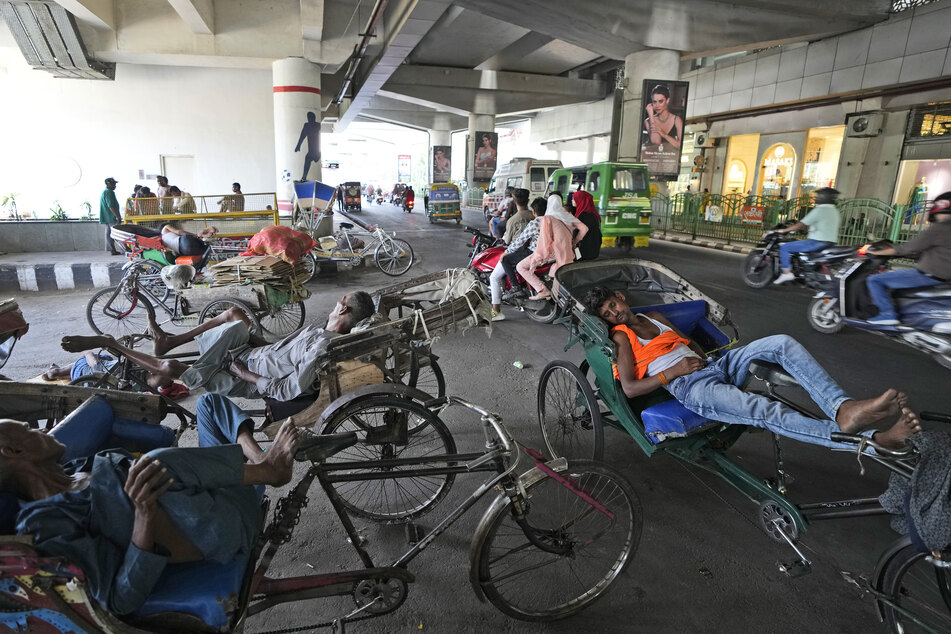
(102, 380)
(283, 321)
(215, 308)
(310, 265)
(391, 499)
(568, 413)
(116, 311)
(150, 276)
(426, 375)
(924, 590)
(393, 256)
(531, 584)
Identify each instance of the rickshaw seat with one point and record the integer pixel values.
(690, 318)
(205, 590)
(671, 419)
(191, 260)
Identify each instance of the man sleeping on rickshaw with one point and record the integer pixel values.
(651, 353)
(235, 362)
(122, 519)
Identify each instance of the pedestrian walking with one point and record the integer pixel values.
(109, 213)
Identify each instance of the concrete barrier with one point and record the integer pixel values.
(44, 235)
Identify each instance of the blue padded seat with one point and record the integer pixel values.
(206, 590)
(670, 419)
(690, 318)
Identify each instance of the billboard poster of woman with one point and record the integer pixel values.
(442, 163)
(665, 104)
(486, 155)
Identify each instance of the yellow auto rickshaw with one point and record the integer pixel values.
(442, 202)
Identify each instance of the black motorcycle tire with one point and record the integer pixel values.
(758, 269)
(828, 322)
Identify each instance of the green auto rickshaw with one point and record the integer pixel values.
(442, 202)
(621, 192)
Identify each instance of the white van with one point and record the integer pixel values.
(531, 174)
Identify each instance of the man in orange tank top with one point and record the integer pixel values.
(651, 353)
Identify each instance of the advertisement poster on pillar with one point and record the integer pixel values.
(404, 169)
(442, 163)
(664, 108)
(486, 155)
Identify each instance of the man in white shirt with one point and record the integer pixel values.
(823, 224)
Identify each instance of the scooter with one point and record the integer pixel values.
(408, 204)
(483, 263)
(924, 313)
(812, 269)
(379, 199)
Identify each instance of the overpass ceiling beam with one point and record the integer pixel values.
(418, 102)
(98, 14)
(198, 15)
(622, 27)
(489, 92)
(521, 48)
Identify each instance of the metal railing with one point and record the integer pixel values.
(232, 214)
(473, 197)
(744, 218)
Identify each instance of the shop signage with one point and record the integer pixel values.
(778, 159)
(403, 168)
(752, 214)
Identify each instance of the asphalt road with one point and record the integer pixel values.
(703, 563)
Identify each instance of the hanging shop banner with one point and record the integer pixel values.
(752, 214)
(664, 105)
(404, 168)
(442, 163)
(486, 155)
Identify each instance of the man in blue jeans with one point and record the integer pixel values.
(652, 353)
(933, 248)
(823, 224)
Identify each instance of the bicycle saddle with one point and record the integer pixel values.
(346, 225)
(316, 448)
(772, 373)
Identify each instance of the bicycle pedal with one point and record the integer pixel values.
(797, 568)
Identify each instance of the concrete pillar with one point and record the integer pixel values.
(477, 123)
(652, 64)
(296, 125)
(589, 150)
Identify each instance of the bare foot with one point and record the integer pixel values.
(51, 372)
(854, 416)
(80, 343)
(159, 338)
(894, 437)
(279, 458)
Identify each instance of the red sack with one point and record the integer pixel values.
(282, 242)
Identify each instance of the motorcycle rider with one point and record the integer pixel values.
(933, 246)
(823, 224)
(409, 196)
(518, 250)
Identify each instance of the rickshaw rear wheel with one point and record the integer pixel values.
(310, 265)
(105, 308)
(391, 500)
(215, 308)
(283, 321)
(914, 584)
(568, 413)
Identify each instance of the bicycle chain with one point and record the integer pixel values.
(324, 624)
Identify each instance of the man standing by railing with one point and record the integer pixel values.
(823, 224)
(109, 213)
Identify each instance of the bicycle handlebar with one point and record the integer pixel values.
(489, 417)
(856, 439)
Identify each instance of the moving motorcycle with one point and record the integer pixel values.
(484, 262)
(812, 269)
(408, 204)
(379, 199)
(924, 313)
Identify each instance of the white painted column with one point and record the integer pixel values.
(477, 123)
(652, 64)
(296, 125)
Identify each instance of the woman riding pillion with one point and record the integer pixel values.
(823, 224)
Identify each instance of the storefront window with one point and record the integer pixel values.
(740, 164)
(776, 170)
(821, 160)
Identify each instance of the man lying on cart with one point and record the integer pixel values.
(651, 353)
(235, 362)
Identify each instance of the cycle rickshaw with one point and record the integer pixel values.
(912, 588)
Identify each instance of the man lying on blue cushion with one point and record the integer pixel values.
(124, 519)
(651, 353)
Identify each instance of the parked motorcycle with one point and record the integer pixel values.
(479, 243)
(924, 313)
(812, 269)
(484, 262)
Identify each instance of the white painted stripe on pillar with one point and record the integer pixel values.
(100, 274)
(27, 276)
(64, 276)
